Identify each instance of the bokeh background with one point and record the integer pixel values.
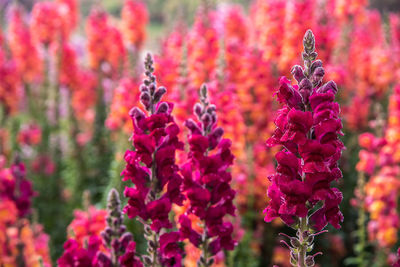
(69, 78)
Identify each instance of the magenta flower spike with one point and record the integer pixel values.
(308, 129)
(151, 168)
(207, 183)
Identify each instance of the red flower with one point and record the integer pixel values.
(207, 181)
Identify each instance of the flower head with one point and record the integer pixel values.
(207, 182)
(151, 168)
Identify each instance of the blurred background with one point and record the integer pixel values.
(70, 73)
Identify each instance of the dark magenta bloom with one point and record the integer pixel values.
(74, 255)
(307, 127)
(18, 189)
(152, 169)
(206, 181)
(129, 259)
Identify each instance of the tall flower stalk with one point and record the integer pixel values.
(308, 126)
(151, 168)
(207, 184)
(113, 247)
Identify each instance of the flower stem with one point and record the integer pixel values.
(362, 218)
(204, 260)
(302, 250)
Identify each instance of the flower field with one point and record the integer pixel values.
(265, 134)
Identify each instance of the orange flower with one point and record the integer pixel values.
(134, 21)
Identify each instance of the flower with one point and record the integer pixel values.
(46, 25)
(124, 95)
(308, 127)
(16, 187)
(207, 181)
(135, 17)
(30, 135)
(23, 49)
(86, 224)
(77, 255)
(308, 124)
(104, 42)
(152, 169)
(381, 191)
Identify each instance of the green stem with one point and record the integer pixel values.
(302, 250)
(204, 258)
(362, 218)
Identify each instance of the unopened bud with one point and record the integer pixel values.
(192, 126)
(204, 91)
(206, 119)
(159, 93)
(328, 87)
(316, 64)
(143, 88)
(152, 87)
(162, 108)
(297, 72)
(318, 75)
(211, 109)
(198, 110)
(147, 260)
(145, 99)
(309, 42)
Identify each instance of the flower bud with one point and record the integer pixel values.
(328, 87)
(162, 108)
(152, 88)
(316, 64)
(158, 95)
(305, 89)
(211, 109)
(204, 91)
(198, 110)
(143, 88)
(122, 229)
(309, 42)
(115, 244)
(192, 126)
(215, 137)
(297, 72)
(206, 120)
(125, 239)
(318, 75)
(147, 260)
(145, 99)
(104, 259)
(146, 82)
(147, 230)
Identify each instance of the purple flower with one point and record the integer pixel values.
(152, 168)
(187, 231)
(207, 180)
(288, 94)
(128, 259)
(169, 248)
(308, 127)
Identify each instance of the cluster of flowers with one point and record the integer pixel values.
(202, 182)
(239, 56)
(379, 159)
(255, 42)
(308, 127)
(207, 183)
(99, 238)
(21, 243)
